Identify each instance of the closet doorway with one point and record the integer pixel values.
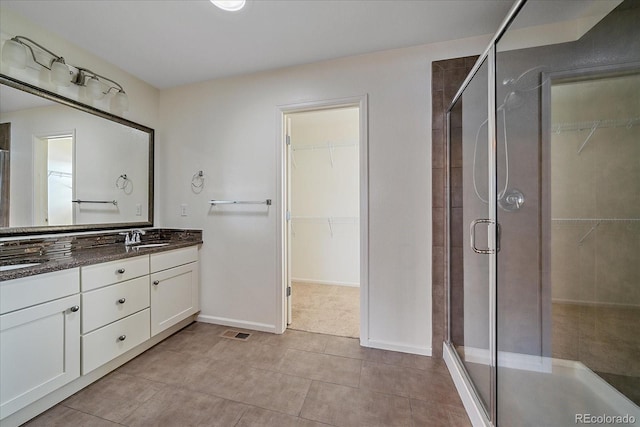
(322, 220)
(53, 179)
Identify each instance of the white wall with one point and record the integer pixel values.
(229, 128)
(325, 203)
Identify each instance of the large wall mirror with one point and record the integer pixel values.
(65, 166)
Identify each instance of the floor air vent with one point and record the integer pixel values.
(235, 335)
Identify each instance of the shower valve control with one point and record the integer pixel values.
(512, 200)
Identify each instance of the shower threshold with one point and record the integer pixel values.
(550, 392)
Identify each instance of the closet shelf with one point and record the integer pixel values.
(592, 126)
(328, 220)
(583, 220)
(60, 174)
(597, 124)
(333, 219)
(326, 145)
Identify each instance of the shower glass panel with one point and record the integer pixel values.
(469, 273)
(568, 187)
(544, 308)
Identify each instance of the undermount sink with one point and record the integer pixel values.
(151, 245)
(16, 266)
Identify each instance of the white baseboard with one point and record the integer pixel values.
(395, 346)
(325, 282)
(469, 399)
(263, 327)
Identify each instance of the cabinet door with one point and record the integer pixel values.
(174, 296)
(39, 352)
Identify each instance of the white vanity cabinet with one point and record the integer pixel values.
(174, 287)
(39, 337)
(115, 316)
(61, 331)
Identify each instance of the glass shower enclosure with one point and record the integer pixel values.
(544, 219)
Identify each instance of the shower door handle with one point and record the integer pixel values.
(472, 233)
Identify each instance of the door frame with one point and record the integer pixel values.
(361, 102)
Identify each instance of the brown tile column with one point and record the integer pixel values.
(446, 78)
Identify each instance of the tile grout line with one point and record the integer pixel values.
(83, 412)
(305, 398)
(241, 416)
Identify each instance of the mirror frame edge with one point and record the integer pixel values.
(56, 229)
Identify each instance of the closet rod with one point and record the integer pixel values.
(111, 202)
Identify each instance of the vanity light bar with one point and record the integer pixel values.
(14, 54)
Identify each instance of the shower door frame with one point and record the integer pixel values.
(462, 380)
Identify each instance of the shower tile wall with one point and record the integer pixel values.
(446, 77)
(595, 273)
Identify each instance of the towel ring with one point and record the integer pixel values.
(197, 180)
(122, 182)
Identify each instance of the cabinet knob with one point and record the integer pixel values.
(156, 282)
(121, 301)
(120, 271)
(122, 337)
(75, 308)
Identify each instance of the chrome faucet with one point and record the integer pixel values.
(132, 237)
(135, 235)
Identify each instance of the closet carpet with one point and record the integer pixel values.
(326, 309)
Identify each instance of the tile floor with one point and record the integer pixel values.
(197, 378)
(326, 309)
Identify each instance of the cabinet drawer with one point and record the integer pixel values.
(164, 260)
(107, 273)
(109, 342)
(27, 291)
(111, 303)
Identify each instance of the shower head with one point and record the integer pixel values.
(514, 81)
(513, 100)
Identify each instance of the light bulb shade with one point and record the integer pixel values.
(229, 5)
(94, 88)
(14, 54)
(60, 74)
(120, 101)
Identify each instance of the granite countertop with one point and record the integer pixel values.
(63, 252)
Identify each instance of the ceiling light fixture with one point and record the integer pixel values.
(14, 53)
(229, 5)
